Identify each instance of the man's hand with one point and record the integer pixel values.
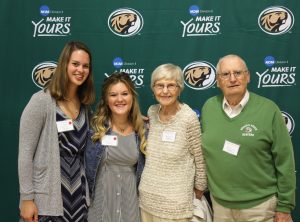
(29, 211)
(282, 217)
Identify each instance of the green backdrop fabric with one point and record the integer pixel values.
(136, 36)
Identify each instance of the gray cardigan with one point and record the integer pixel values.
(39, 158)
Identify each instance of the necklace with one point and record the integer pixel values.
(123, 129)
(74, 107)
(70, 108)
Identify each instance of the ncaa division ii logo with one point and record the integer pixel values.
(276, 20)
(42, 73)
(125, 22)
(199, 75)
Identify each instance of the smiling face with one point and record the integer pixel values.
(233, 87)
(119, 99)
(166, 92)
(78, 68)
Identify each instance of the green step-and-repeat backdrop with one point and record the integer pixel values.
(136, 36)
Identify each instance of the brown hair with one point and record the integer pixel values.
(58, 85)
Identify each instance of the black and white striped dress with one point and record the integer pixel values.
(73, 180)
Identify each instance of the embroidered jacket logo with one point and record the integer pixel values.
(248, 130)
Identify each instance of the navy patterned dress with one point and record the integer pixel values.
(73, 181)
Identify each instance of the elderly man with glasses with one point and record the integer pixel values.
(248, 151)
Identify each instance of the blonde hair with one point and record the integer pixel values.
(58, 85)
(168, 71)
(102, 115)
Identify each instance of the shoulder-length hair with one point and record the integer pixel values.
(102, 116)
(58, 85)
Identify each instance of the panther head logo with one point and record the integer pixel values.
(276, 20)
(42, 73)
(199, 75)
(125, 22)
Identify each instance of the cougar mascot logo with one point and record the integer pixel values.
(276, 20)
(199, 75)
(125, 22)
(289, 121)
(42, 73)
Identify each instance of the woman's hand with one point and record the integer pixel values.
(198, 193)
(146, 121)
(29, 211)
(145, 118)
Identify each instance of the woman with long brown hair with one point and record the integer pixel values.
(53, 130)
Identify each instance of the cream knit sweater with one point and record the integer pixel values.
(172, 169)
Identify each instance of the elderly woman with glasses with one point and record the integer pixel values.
(175, 165)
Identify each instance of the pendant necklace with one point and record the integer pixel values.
(122, 130)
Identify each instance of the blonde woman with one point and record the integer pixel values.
(114, 155)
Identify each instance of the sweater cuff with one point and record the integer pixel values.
(26, 196)
(200, 187)
(283, 209)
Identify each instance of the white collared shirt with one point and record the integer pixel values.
(234, 111)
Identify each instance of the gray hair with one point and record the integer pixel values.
(228, 57)
(168, 71)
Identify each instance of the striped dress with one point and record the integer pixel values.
(116, 197)
(73, 180)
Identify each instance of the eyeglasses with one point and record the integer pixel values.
(237, 74)
(170, 87)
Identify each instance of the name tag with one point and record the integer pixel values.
(65, 125)
(231, 148)
(168, 136)
(109, 140)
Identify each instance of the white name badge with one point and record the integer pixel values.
(231, 148)
(65, 125)
(168, 136)
(109, 140)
